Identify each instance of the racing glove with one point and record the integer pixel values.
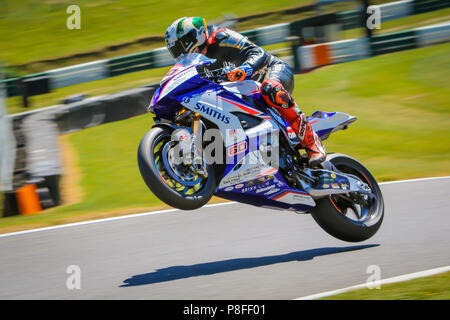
(240, 73)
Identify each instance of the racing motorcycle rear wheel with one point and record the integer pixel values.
(345, 216)
(175, 184)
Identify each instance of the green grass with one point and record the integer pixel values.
(402, 103)
(403, 130)
(127, 81)
(36, 29)
(435, 287)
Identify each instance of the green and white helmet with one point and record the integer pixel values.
(185, 35)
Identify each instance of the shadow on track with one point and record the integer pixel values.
(208, 268)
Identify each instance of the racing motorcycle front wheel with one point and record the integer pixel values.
(348, 217)
(174, 183)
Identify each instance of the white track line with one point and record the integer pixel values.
(405, 277)
(106, 220)
(166, 211)
(414, 180)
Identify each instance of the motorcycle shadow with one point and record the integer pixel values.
(209, 268)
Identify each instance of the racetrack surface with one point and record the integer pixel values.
(231, 251)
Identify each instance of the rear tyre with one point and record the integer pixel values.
(347, 220)
(174, 185)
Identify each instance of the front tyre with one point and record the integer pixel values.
(344, 218)
(176, 185)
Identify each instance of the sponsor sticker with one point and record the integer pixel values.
(204, 109)
(265, 188)
(272, 191)
(247, 189)
(291, 133)
(237, 148)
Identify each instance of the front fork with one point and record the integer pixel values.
(197, 147)
(192, 148)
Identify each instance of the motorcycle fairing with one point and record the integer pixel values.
(220, 104)
(167, 99)
(325, 123)
(241, 169)
(269, 191)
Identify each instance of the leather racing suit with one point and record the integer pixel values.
(233, 50)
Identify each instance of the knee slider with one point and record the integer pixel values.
(270, 86)
(274, 92)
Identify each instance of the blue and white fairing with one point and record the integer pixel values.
(325, 123)
(182, 78)
(247, 177)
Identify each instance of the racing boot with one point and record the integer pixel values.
(276, 96)
(309, 140)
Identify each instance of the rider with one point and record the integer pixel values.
(242, 59)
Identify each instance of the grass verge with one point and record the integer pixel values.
(403, 131)
(38, 39)
(34, 29)
(435, 287)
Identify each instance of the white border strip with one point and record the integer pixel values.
(414, 180)
(402, 278)
(166, 211)
(106, 220)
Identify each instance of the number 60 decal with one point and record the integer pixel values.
(237, 148)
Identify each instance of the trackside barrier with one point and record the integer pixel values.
(433, 34)
(80, 73)
(7, 145)
(390, 11)
(162, 58)
(102, 69)
(391, 42)
(271, 34)
(39, 164)
(262, 36)
(422, 6)
(332, 52)
(396, 10)
(349, 19)
(129, 63)
(11, 88)
(347, 50)
(311, 56)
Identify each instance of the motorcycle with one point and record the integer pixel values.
(258, 159)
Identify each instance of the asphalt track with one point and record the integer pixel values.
(230, 251)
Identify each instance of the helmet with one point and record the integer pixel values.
(185, 35)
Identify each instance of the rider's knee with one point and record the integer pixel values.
(269, 85)
(276, 95)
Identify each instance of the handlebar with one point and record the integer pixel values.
(216, 75)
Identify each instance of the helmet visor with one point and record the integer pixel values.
(184, 44)
(176, 50)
